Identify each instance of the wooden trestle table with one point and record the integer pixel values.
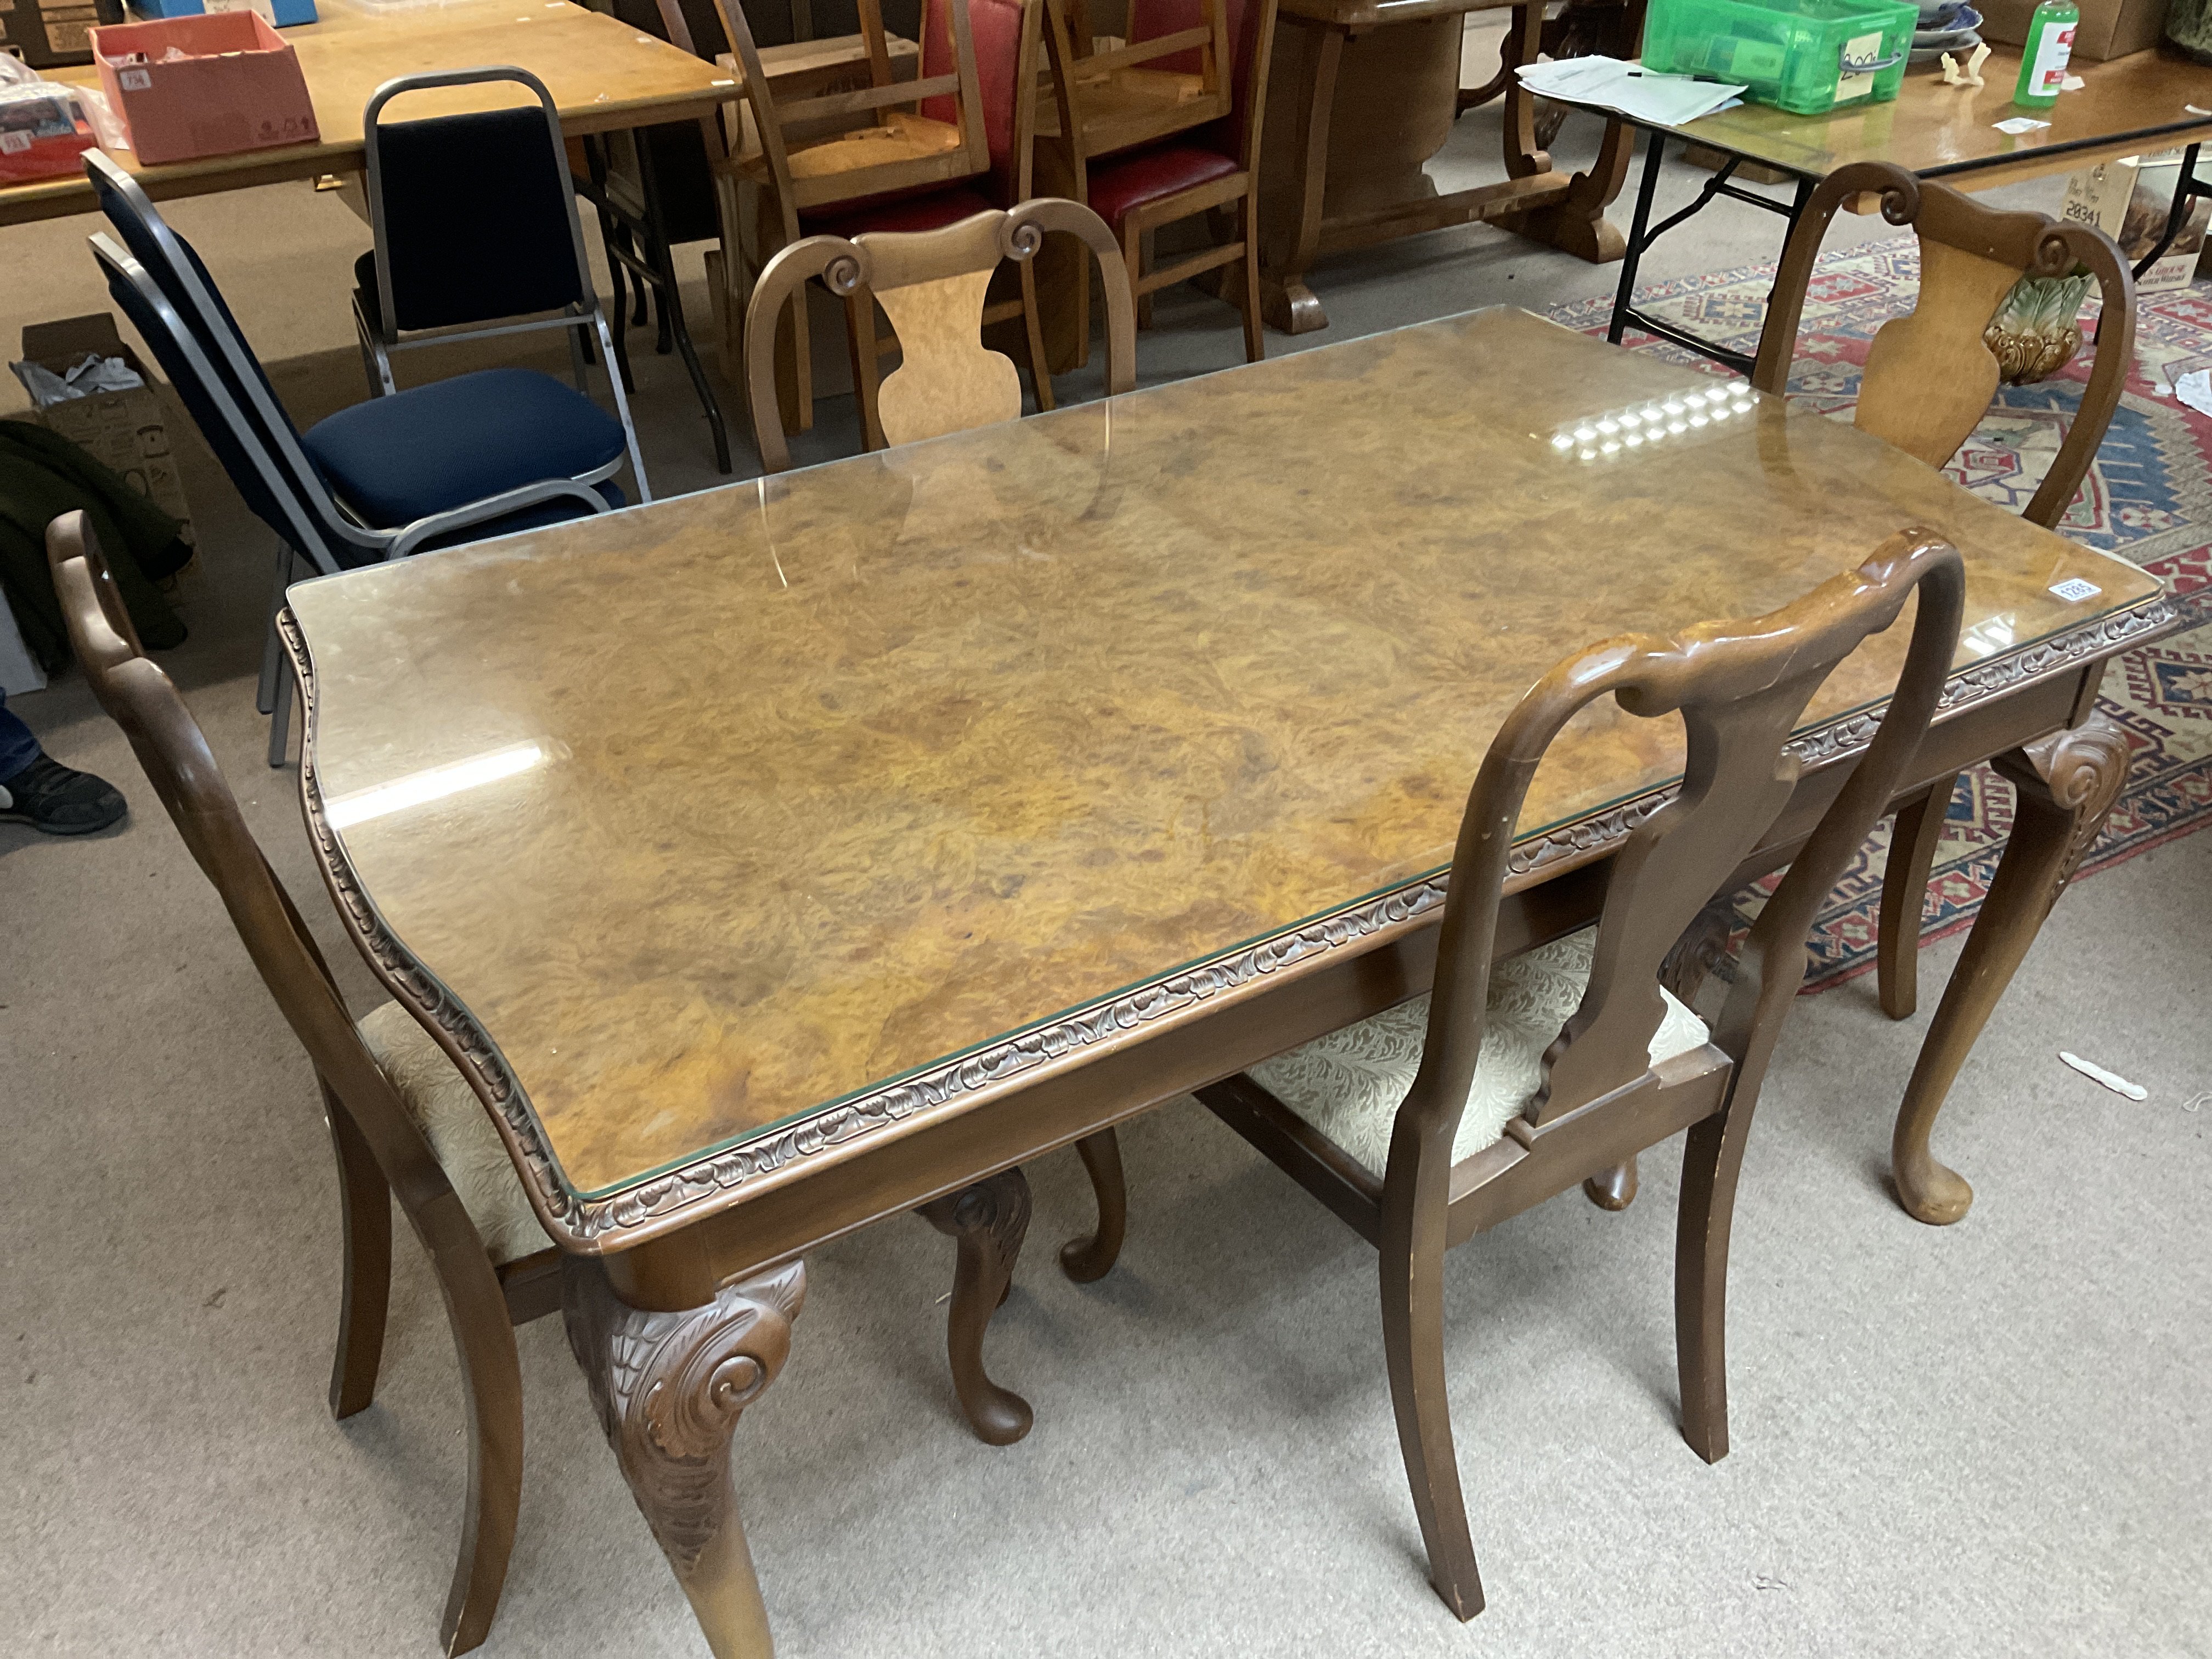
(780, 858)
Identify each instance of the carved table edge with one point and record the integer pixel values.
(660, 1203)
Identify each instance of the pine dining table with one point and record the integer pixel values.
(780, 857)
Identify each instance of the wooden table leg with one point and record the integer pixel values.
(1290, 222)
(2065, 785)
(989, 1220)
(669, 1387)
(1578, 224)
(1092, 1257)
(1912, 842)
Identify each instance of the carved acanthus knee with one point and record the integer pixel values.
(669, 1387)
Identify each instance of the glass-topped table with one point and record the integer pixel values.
(783, 856)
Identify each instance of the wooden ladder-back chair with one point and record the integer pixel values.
(402, 1120)
(1930, 379)
(1117, 102)
(1214, 170)
(932, 284)
(799, 157)
(1514, 1079)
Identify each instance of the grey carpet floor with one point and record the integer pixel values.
(1990, 1439)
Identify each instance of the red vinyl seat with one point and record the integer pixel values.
(1152, 175)
(900, 213)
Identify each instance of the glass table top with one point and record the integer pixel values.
(715, 812)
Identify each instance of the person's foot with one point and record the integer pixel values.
(49, 796)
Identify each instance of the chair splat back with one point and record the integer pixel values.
(932, 284)
(1739, 689)
(1929, 376)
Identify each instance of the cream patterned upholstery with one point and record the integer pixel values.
(1350, 1083)
(453, 1120)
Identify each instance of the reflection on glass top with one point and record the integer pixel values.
(716, 811)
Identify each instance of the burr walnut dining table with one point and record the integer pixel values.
(776, 858)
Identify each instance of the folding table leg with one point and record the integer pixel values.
(1640, 235)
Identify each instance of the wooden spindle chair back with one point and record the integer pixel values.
(1117, 102)
(931, 285)
(1929, 377)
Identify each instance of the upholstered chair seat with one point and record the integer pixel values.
(453, 1120)
(1350, 1083)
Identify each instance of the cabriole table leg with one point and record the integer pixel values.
(2065, 785)
(669, 1387)
(988, 1222)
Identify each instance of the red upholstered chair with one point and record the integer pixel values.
(1211, 169)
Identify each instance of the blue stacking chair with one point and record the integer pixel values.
(459, 460)
(477, 234)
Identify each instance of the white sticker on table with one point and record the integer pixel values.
(2074, 590)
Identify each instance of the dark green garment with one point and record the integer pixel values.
(43, 476)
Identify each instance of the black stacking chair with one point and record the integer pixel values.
(476, 235)
(654, 190)
(394, 476)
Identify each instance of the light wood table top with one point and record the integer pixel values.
(2128, 106)
(602, 75)
(716, 816)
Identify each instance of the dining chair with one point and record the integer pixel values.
(403, 1121)
(1123, 93)
(932, 284)
(1212, 169)
(458, 460)
(476, 235)
(1516, 1078)
(1928, 382)
(803, 159)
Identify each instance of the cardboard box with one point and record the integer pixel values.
(2130, 200)
(239, 87)
(50, 34)
(2108, 28)
(125, 431)
(43, 132)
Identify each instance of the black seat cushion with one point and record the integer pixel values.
(435, 447)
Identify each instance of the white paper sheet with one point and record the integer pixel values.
(1641, 95)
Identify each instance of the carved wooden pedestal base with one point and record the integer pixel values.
(669, 1387)
(989, 1221)
(2064, 785)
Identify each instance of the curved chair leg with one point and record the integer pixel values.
(1256, 342)
(491, 1387)
(988, 1221)
(1713, 1157)
(1912, 843)
(1092, 1257)
(364, 1209)
(1413, 1273)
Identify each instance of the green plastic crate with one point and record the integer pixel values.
(1807, 57)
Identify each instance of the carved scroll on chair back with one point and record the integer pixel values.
(1929, 381)
(1739, 689)
(931, 284)
(380, 1150)
(1929, 377)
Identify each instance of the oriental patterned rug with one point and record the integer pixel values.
(2147, 500)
